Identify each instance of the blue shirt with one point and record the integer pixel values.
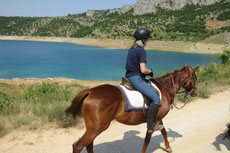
(135, 57)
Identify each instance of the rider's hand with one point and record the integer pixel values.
(151, 73)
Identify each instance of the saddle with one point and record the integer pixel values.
(127, 84)
(134, 100)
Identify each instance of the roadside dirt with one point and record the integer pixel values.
(197, 128)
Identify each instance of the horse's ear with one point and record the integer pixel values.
(196, 68)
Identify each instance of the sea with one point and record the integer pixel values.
(34, 59)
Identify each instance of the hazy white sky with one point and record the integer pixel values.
(56, 7)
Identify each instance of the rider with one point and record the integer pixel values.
(136, 72)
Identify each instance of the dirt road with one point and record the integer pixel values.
(196, 128)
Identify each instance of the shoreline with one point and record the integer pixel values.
(175, 46)
(31, 81)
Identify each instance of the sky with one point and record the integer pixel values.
(52, 8)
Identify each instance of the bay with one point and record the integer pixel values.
(30, 59)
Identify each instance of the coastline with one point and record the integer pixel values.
(176, 46)
(31, 81)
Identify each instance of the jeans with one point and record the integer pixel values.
(142, 86)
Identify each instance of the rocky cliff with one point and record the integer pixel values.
(149, 6)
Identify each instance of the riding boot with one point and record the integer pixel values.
(151, 118)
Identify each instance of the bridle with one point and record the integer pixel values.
(190, 81)
(186, 91)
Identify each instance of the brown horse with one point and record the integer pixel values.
(102, 104)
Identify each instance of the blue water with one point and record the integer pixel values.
(25, 59)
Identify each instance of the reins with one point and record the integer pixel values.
(185, 97)
(174, 94)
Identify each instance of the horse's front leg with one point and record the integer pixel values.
(146, 142)
(164, 133)
(89, 148)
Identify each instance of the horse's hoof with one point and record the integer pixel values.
(169, 149)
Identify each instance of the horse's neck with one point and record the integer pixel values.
(173, 82)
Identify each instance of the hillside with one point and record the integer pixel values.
(191, 23)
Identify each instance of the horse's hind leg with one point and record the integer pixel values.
(164, 133)
(85, 141)
(93, 129)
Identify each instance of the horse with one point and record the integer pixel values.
(104, 103)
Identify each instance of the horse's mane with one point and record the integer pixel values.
(166, 76)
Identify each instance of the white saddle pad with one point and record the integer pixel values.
(134, 100)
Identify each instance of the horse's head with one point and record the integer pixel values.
(190, 81)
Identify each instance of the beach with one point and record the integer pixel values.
(178, 46)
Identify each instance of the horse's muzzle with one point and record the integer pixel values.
(194, 93)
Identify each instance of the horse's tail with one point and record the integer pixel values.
(227, 132)
(75, 107)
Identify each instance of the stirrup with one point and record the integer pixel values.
(158, 127)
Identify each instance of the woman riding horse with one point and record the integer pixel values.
(136, 71)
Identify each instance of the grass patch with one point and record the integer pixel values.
(218, 38)
(36, 106)
(3, 128)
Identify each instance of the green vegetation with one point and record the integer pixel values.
(224, 16)
(36, 106)
(225, 57)
(211, 77)
(187, 24)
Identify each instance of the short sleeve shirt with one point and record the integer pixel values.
(134, 58)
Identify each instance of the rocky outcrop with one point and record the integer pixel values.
(121, 10)
(150, 6)
(126, 8)
(90, 13)
(114, 11)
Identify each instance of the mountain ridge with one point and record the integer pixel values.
(150, 6)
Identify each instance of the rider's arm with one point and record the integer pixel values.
(143, 68)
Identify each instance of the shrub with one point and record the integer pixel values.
(47, 92)
(213, 75)
(208, 73)
(7, 104)
(225, 57)
(39, 105)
